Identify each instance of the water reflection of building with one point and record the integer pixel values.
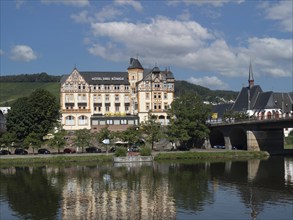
(95, 199)
(288, 167)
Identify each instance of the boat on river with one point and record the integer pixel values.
(133, 159)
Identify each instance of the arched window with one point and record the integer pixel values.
(162, 119)
(276, 114)
(269, 115)
(69, 120)
(82, 120)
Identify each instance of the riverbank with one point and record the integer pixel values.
(13, 160)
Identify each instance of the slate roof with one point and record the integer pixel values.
(134, 64)
(246, 93)
(105, 78)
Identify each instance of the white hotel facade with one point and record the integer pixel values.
(93, 100)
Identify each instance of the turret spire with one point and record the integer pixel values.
(250, 77)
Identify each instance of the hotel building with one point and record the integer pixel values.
(93, 100)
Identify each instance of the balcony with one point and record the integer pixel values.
(76, 110)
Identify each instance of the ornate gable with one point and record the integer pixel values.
(75, 77)
(75, 83)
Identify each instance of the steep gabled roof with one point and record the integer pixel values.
(135, 64)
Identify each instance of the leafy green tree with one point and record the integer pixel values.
(36, 113)
(33, 140)
(152, 131)
(58, 141)
(20, 119)
(82, 138)
(45, 111)
(7, 139)
(131, 135)
(188, 120)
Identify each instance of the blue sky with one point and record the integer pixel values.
(208, 43)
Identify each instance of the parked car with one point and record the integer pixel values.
(69, 151)
(43, 151)
(5, 152)
(134, 149)
(20, 151)
(183, 148)
(93, 150)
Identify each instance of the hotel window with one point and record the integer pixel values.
(107, 98)
(99, 98)
(79, 86)
(116, 98)
(155, 106)
(95, 98)
(126, 98)
(107, 108)
(109, 122)
(116, 87)
(126, 108)
(95, 87)
(159, 95)
(69, 120)
(132, 77)
(155, 95)
(126, 87)
(83, 87)
(147, 96)
(147, 106)
(123, 122)
(117, 108)
(166, 106)
(165, 95)
(99, 87)
(82, 120)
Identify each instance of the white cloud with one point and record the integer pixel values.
(212, 82)
(23, 53)
(215, 3)
(188, 45)
(135, 4)
(82, 17)
(77, 3)
(282, 12)
(19, 3)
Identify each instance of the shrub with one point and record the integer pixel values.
(121, 152)
(145, 151)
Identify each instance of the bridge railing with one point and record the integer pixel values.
(251, 118)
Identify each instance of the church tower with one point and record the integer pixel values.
(250, 77)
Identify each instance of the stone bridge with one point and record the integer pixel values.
(265, 135)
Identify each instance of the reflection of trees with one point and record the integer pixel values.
(30, 193)
(189, 183)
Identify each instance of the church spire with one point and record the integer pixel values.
(250, 77)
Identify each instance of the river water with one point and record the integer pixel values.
(253, 189)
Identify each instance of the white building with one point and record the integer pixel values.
(93, 100)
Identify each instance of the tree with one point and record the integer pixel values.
(20, 119)
(82, 138)
(36, 113)
(58, 141)
(33, 140)
(7, 139)
(152, 130)
(131, 135)
(188, 120)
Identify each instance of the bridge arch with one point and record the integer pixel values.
(217, 138)
(238, 138)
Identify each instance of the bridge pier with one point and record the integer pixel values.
(252, 144)
(228, 142)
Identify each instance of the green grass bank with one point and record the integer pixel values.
(62, 159)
